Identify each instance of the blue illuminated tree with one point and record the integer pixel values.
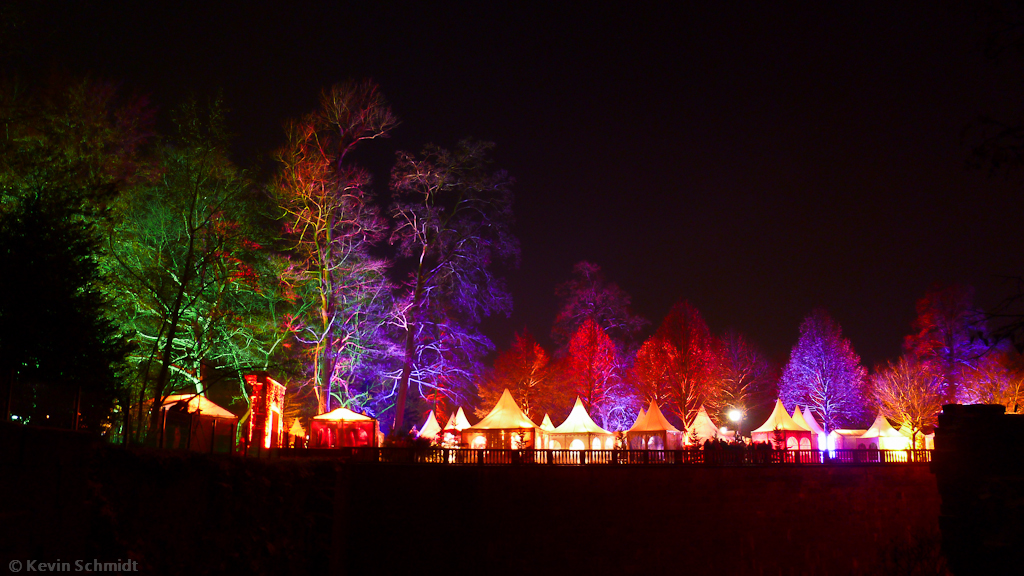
(824, 373)
(453, 217)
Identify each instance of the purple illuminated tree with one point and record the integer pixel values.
(950, 338)
(589, 295)
(824, 373)
(453, 216)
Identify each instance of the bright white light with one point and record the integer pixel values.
(723, 429)
(735, 415)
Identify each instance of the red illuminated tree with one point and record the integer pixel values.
(824, 373)
(453, 216)
(949, 337)
(679, 364)
(588, 295)
(593, 367)
(339, 289)
(907, 391)
(527, 372)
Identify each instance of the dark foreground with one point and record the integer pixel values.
(67, 497)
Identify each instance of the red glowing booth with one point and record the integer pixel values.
(343, 428)
(191, 422)
(266, 420)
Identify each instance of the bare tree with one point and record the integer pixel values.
(909, 392)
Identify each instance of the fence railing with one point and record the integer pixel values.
(714, 457)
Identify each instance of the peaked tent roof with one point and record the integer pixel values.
(639, 418)
(652, 421)
(703, 425)
(198, 404)
(297, 429)
(457, 421)
(811, 422)
(547, 425)
(579, 422)
(780, 420)
(430, 428)
(798, 417)
(342, 415)
(506, 415)
(881, 428)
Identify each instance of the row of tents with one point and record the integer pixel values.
(193, 422)
(507, 427)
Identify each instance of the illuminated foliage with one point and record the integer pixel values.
(950, 337)
(66, 151)
(452, 215)
(339, 289)
(998, 379)
(824, 373)
(593, 368)
(746, 377)
(589, 295)
(527, 372)
(188, 279)
(908, 392)
(678, 365)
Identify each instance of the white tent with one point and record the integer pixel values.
(505, 426)
(798, 417)
(883, 436)
(580, 432)
(922, 439)
(430, 428)
(457, 422)
(702, 427)
(652, 431)
(780, 427)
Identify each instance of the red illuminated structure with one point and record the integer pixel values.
(266, 424)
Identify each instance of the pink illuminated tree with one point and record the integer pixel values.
(593, 367)
(588, 295)
(824, 373)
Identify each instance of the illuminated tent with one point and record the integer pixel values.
(652, 431)
(702, 427)
(296, 434)
(342, 427)
(580, 432)
(547, 425)
(452, 433)
(546, 428)
(883, 436)
(430, 428)
(846, 439)
(816, 428)
(504, 427)
(192, 422)
(780, 426)
(928, 440)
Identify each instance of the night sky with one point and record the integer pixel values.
(758, 159)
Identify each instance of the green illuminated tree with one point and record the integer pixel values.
(66, 151)
(188, 277)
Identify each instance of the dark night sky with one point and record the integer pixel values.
(757, 160)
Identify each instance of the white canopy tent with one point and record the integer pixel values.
(505, 426)
(702, 428)
(798, 417)
(580, 432)
(816, 428)
(193, 422)
(883, 436)
(430, 428)
(780, 428)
